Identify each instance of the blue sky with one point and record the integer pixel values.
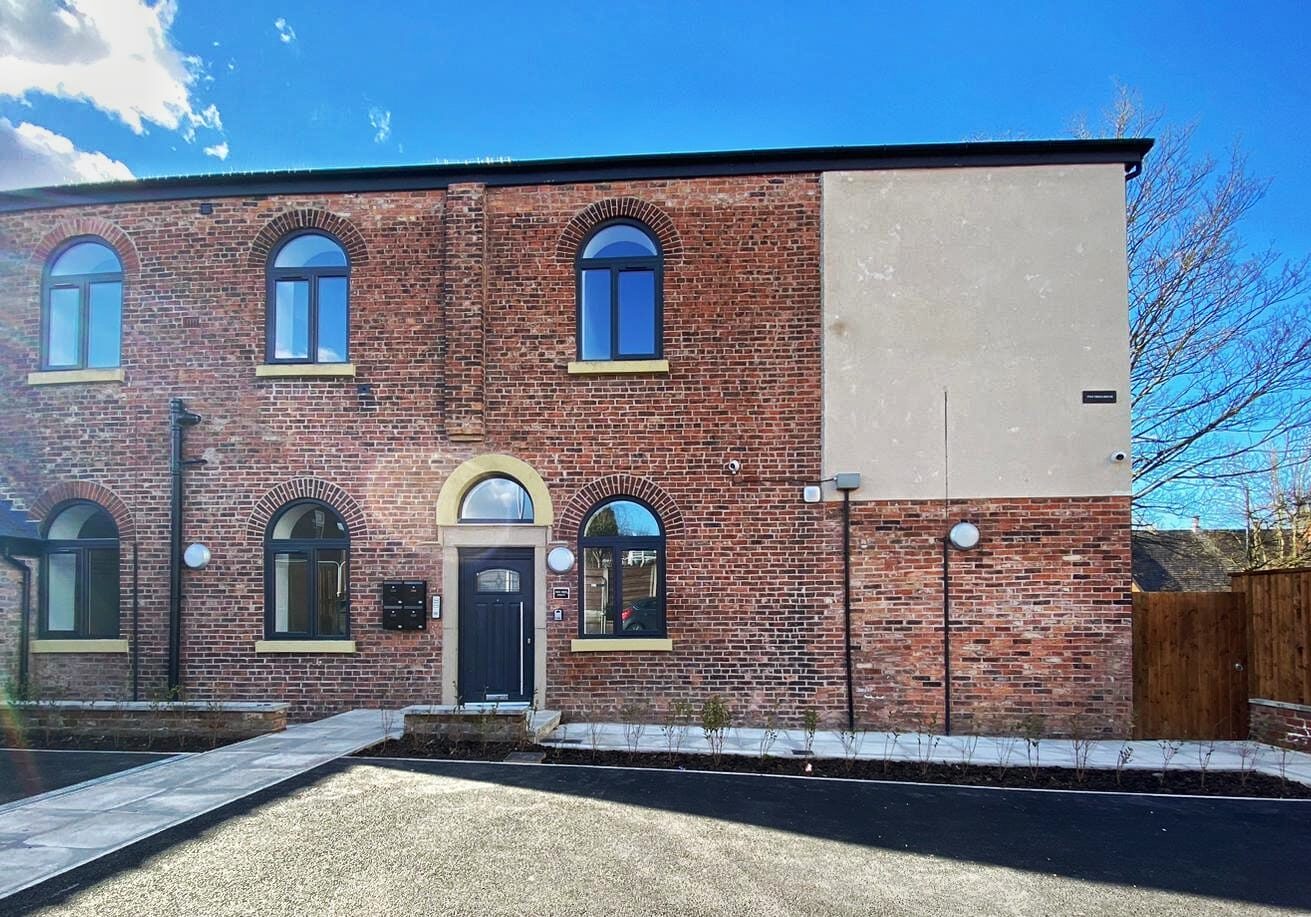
(350, 83)
(299, 84)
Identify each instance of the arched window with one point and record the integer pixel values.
(622, 587)
(306, 573)
(82, 306)
(620, 282)
(79, 594)
(309, 292)
(497, 500)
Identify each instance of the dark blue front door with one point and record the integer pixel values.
(496, 625)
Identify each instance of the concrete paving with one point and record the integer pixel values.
(981, 750)
(28, 772)
(44, 836)
(371, 836)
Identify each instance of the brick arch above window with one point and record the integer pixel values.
(120, 241)
(267, 506)
(566, 248)
(291, 221)
(620, 485)
(95, 493)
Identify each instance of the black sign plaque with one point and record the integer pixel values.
(1099, 396)
(560, 592)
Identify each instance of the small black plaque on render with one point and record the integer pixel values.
(1098, 396)
(560, 592)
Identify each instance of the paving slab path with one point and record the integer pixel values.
(46, 835)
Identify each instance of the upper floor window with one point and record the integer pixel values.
(620, 279)
(306, 572)
(79, 594)
(308, 316)
(497, 500)
(622, 589)
(82, 311)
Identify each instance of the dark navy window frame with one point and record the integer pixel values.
(82, 283)
(616, 266)
(309, 549)
(81, 549)
(311, 276)
(616, 545)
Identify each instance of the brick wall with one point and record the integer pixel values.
(462, 326)
(1280, 723)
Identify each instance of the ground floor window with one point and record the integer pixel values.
(306, 564)
(622, 592)
(79, 595)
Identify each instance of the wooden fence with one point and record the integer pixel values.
(1278, 633)
(1189, 665)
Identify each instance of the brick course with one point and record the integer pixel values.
(1277, 723)
(462, 325)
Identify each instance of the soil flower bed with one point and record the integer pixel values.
(1016, 775)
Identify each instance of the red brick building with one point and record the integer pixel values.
(438, 375)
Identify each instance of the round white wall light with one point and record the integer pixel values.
(964, 535)
(560, 560)
(196, 556)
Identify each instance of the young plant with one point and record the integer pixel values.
(1248, 755)
(1081, 745)
(969, 743)
(1004, 749)
(926, 741)
(809, 724)
(678, 718)
(715, 721)
(1204, 752)
(768, 735)
(595, 729)
(1283, 770)
(1169, 748)
(633, 716)
(852, 740)
(1121, 761)
(1031, 727)
(890, 737)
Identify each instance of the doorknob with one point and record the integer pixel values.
(1238, 666)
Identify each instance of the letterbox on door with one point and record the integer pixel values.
(403, 605)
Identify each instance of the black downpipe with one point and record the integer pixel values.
(179, 419)
(24, 619)
(846, 601)
(946, 635)
(136, 625)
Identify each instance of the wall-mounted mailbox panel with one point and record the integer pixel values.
(404, 605)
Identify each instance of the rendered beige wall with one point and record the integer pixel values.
(1007, 288)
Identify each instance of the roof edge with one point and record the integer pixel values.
(992, 153)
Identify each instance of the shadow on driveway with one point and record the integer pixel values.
(1248, 851)
(28, 772)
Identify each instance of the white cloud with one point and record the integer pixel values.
(114, 54)
(286, 34)
(380, 121)
(219, 150)
(34, 156)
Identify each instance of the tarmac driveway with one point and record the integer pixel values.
(27, 772)
(389, 837)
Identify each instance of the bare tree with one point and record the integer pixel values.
(1220, 336)
(1277, 508)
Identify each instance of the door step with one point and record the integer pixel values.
(516, 723)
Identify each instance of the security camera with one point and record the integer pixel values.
(733, 466)
(1119, 455)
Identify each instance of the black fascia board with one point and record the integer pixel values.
(1129, 152)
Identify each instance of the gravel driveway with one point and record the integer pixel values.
(383, 837)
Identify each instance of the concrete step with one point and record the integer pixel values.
(542, 723)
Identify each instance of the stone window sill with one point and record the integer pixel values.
(72, 376)
(615, 367)
(622, 645)
(304, 370)
(304, 646)
(79, 646)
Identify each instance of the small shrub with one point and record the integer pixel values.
(926, 741)
(678, 719)
(969, 743)
(1081, 745)
(1122, 760)
(595, 729)
(1031, 728)
(810, 724)
(890, 737)
(852, 740)
(1248, 755)
(633, 716)
(715, 721)
(768, 735)
(1169, 748)
(1204, 752)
